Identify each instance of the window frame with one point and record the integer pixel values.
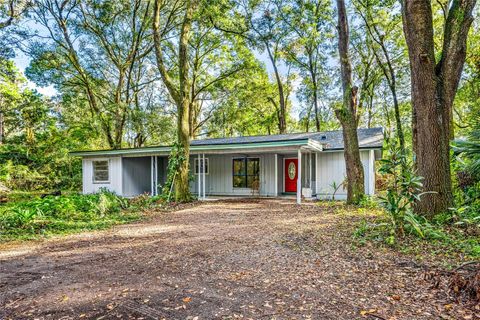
(94, 180)
(245, 171)
(195, 167)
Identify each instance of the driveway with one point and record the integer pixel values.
(257, 259)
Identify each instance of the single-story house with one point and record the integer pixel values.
(302, 164)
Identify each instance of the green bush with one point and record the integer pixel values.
(60, 214)
(403, 190)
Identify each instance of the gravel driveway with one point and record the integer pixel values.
(256, 259)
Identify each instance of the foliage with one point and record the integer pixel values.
(468, 150)
(403, 190)
(175, 160)
(63, 214)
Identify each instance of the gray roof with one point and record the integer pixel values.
(331, 140)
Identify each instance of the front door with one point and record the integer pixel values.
(291, 175)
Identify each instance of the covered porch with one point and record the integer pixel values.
(250, 173)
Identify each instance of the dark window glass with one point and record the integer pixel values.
(239, 181)
(238, 166)
(245, 172)
(100, 171)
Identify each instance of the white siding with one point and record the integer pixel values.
(115, 175)
(331, 168)
(219, 180)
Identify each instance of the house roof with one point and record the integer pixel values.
(371, 138)
(367, 138)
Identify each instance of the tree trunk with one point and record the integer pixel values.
(389, 73)
(282, 123)
(2, 130)
(347, 114)
(180, 94)
(315, 93)
(433, 90)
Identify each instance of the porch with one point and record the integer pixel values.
(246, 174)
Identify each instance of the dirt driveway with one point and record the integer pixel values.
(268, 259)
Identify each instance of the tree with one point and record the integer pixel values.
(267, 33)
(180, 90)
(11, 10)
(306, 48)
(195, 60)
(94, 49)
(347, 113)
(381, 26)
(433, 87)
(10, 93)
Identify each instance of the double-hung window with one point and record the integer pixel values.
(245, 172)
(100, 171)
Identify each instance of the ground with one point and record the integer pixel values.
(257, 259)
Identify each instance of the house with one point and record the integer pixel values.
(301, 164)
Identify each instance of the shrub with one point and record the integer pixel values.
(58, 214)
(403, 189)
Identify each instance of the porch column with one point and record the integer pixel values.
(203, 180)
(310, 170)
(276, 175)
(152, 176)
(156, 175)
(299, 177)
(198, 176)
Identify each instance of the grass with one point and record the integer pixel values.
(27, 216)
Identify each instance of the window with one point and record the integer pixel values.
(245, 172)
(100, 171)
(199, 169)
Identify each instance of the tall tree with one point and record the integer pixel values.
(179, 88)
(434, 85)
(268, 33)
(93, 49)
(347, 113)
(381, 26)
(306, 47)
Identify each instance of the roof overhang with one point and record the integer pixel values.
(279, 146)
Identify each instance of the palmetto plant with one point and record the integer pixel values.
(469, 149)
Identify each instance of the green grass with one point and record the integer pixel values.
(27, 216)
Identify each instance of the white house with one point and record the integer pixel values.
(305, 164)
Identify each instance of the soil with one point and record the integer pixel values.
(255, 259)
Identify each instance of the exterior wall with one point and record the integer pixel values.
(131, 176)
(114, 173)
(331, 167)
(137, 176)
(219, 180)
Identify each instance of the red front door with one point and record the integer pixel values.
(291, 175)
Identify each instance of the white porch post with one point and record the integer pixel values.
(203, 180)
(198, 176)
(276, 175)
(151, 176)
(310, 160)
(299, 178)
(156, 175)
